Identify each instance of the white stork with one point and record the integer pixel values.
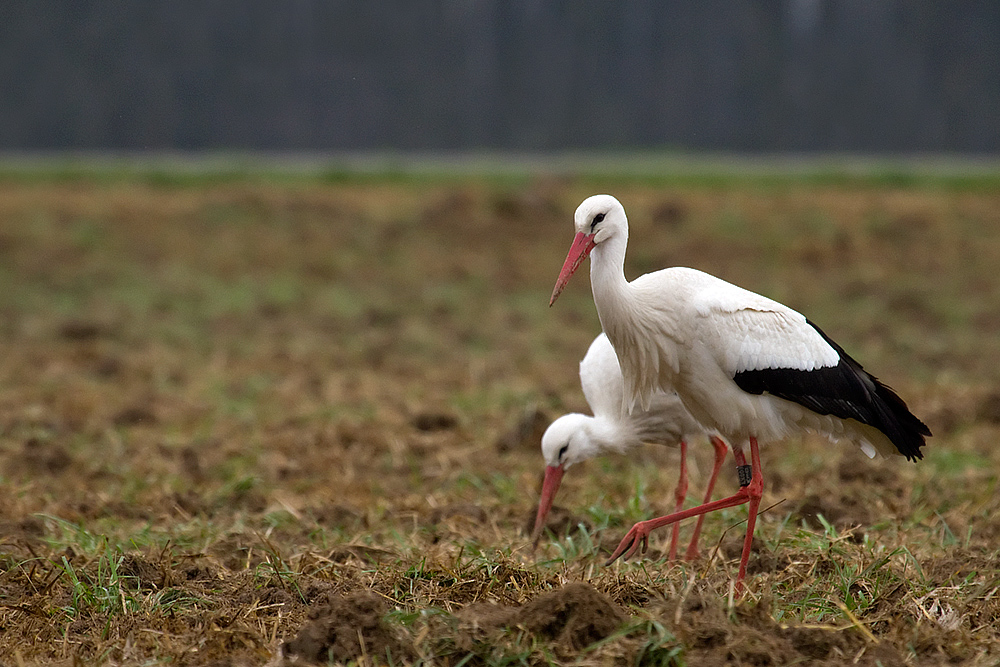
(575, 437)
(745, 366)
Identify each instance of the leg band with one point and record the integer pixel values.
(745, 474)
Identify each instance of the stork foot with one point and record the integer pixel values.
(637, 536)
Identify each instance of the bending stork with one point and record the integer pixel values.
(574, 437)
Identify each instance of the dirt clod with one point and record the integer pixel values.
(480, 622)
(841, 512)
(575, 616)
(817, 644)
(560, 521)
(989, 409)
(434, 421)
(859, 469)
(469, 511)
(526, 433)
(755, 638)
(191, 464)
(139, 573)
(42, 456)
(345, 552)
(347, 628)
(669, 213)
(80, 330)
(134, 416)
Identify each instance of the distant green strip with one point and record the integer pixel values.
(652, 168)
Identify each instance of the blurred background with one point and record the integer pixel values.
(863, 76)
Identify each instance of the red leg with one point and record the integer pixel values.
(639, 534)
(755, 490)
(680, 493)
(738, 455)
(720, 457)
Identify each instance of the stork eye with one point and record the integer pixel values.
(562, 451)
(597, 218)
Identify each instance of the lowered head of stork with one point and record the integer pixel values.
(567, 440)
(574, 437)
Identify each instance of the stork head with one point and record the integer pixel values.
(566, 441)
(597, 219)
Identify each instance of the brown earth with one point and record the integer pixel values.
(348, 628)
(249, 423)
(574, 616)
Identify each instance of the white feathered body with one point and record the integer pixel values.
(712, 330)
(683, 330)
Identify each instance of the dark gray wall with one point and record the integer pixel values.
(853, 75)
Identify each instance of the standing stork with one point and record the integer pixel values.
(575, 437)
(745, 366)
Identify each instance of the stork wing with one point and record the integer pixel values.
(750, 332)
(780, 352)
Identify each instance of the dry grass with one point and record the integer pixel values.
(225, 405)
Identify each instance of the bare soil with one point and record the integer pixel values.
(253, 423)
(348, 628)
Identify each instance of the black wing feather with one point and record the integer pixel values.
(846, 391)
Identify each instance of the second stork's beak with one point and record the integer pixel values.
(553, 477)
(582, 245)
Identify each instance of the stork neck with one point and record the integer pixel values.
(608, 435)
(607, 277)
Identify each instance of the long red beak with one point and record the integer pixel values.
(582, 245)
(553, 477)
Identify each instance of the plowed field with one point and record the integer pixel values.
(261, 421)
